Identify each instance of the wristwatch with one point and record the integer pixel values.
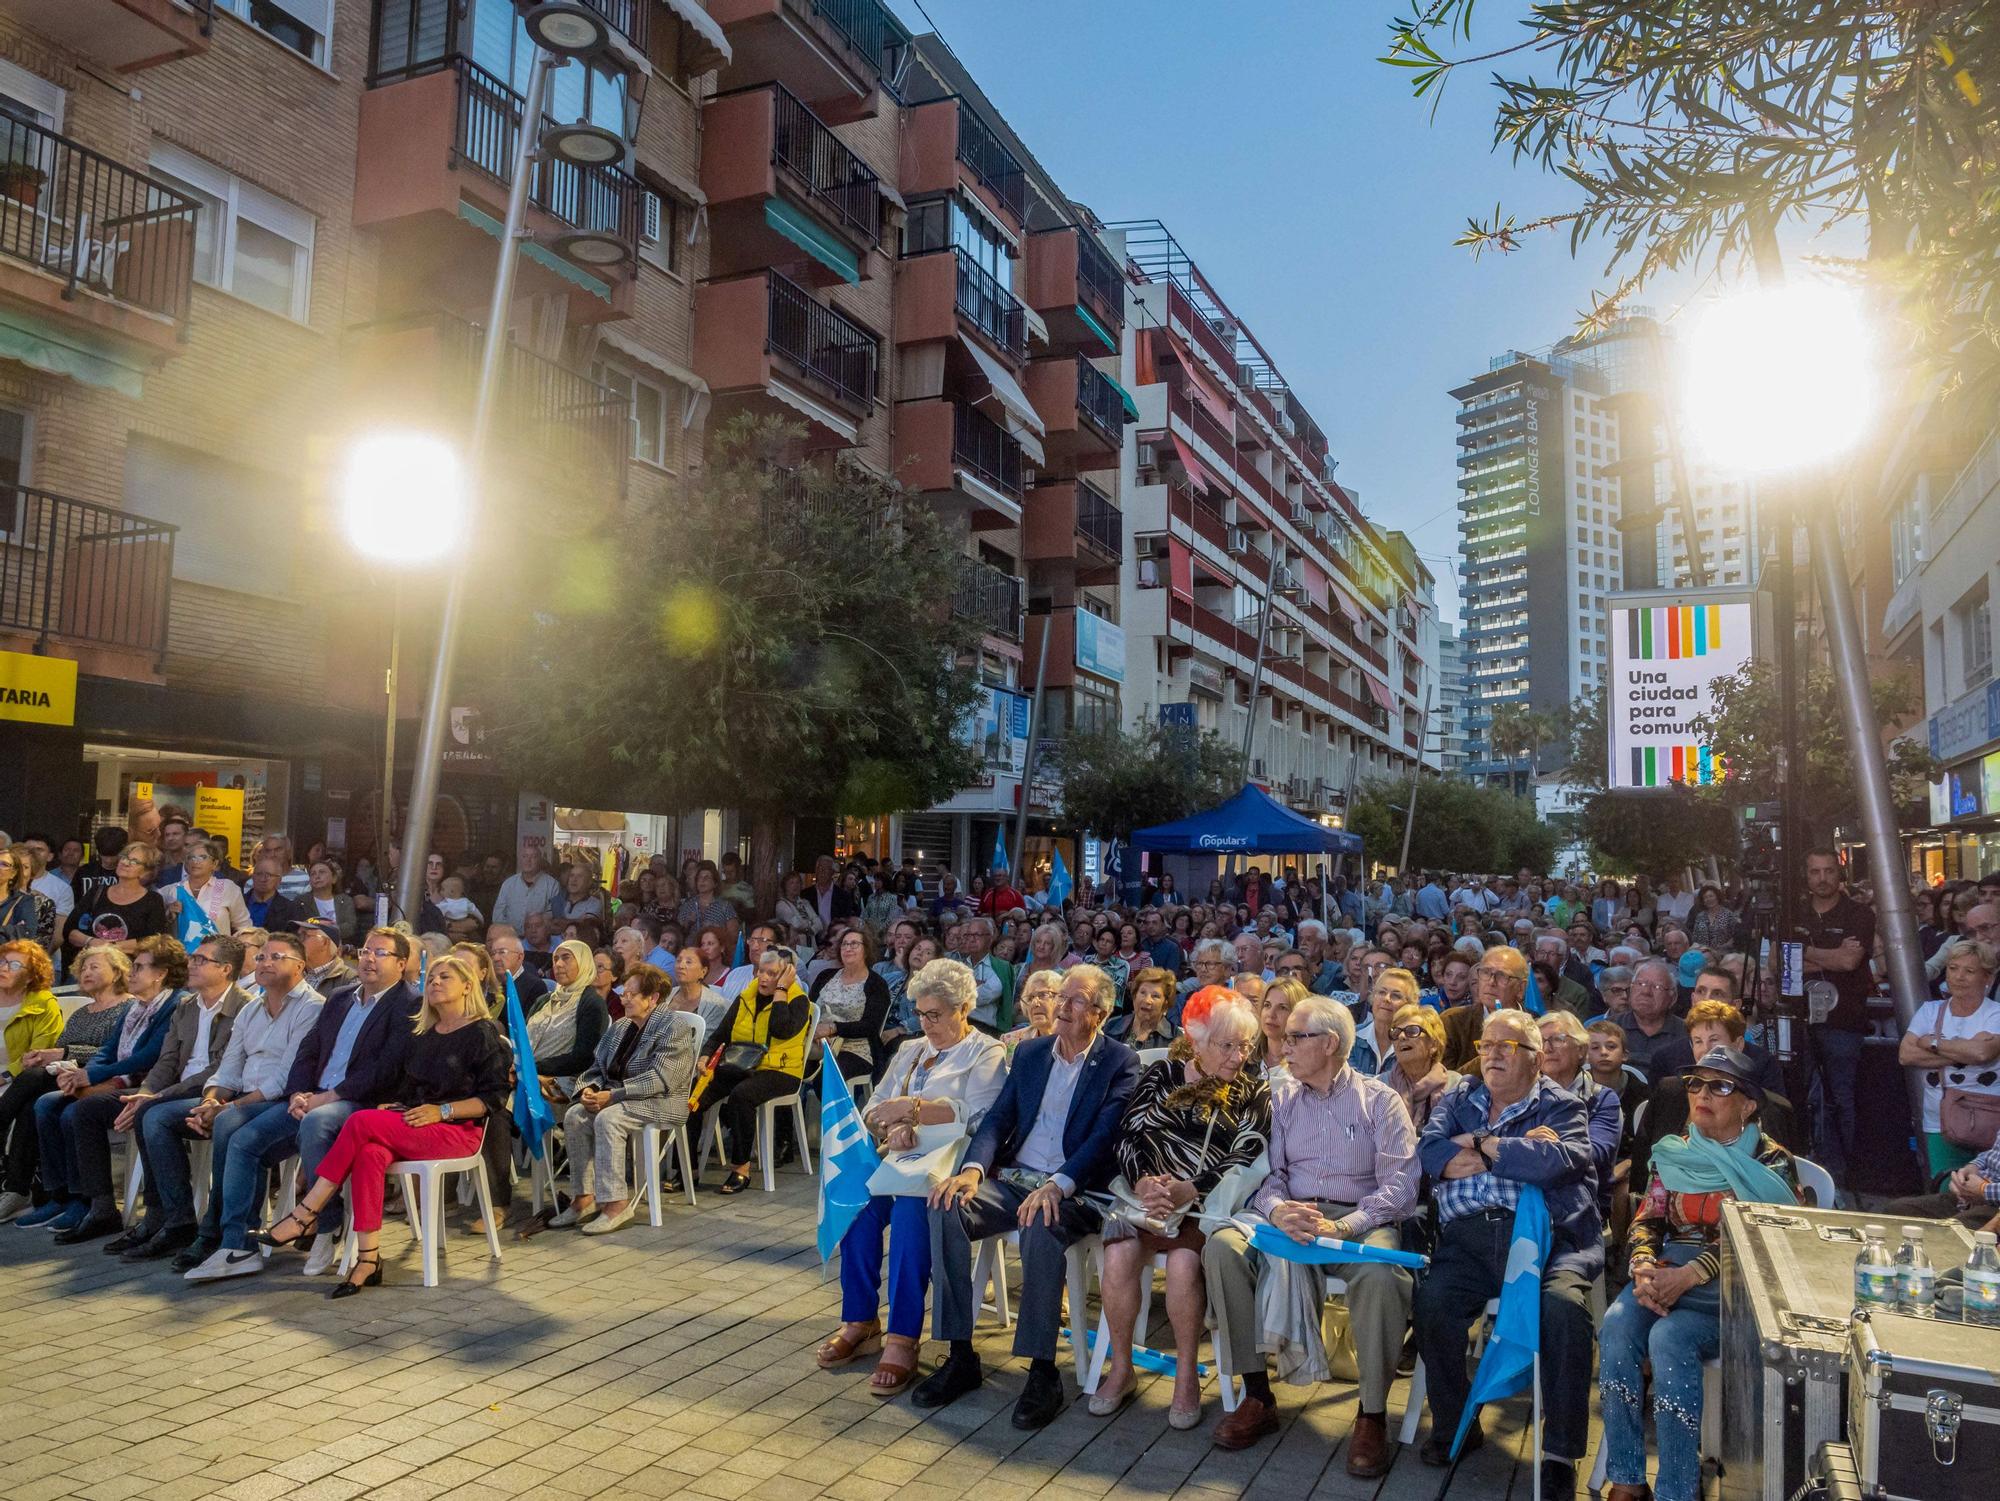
(444, 1111)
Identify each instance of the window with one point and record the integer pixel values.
(14, 451)
(238, 526)
(302, 25)
(972, 234)
(1973, 616)
(1906, 536)
(248, 242)
(663, 230)
(650, 403)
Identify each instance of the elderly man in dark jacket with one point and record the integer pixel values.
(1487, 1138)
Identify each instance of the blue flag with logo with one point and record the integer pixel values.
(999, 848)
(1509, 1362)
(738, 961)
(848, 1158)
(1325, 1251)
(1531, 999)
(191, 925)
(532, 1115)
(1060, 885)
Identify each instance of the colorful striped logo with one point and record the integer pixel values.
(1693, 765)
(1670, 632)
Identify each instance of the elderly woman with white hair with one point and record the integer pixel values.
(1036, 1005)
(935, 1091)
(1196, 1115)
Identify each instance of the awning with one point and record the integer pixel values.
(1004, 389)
(541, 255)
(1090, 322)
(1205, 391)
(1197, 471)
(1131, 406)
(48, 348)
(1347, 606)
(834, 421)
(652, 360)
(705, 47)
(802, 231)
(1379, 691)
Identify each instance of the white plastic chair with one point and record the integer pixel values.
(989, 1272)
(1413, 1409)
(1815, 1180)
(767, 1120)
(1150, 1056)
(653, 1144)
(423, 1178)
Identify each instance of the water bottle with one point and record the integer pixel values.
(1916, 1282)
(1982, 1282)
(1875, 1275)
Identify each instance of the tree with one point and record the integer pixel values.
(1518, 733)
(1115, 781)
(1691, 128)
(1654, 833)
(784, 646)
(1459, 825)
(1587, 736)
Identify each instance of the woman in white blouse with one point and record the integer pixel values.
(948, 1077)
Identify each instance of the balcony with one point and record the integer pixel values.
(989, 598)
(1082, 411)
(835, 54)
(122, 35)
(946, 146)
(92, 581)
(784, 191)
(764, 341)
(1077, 288)
(86, 241)
(940, 288)
(1074, 521)
(962, 459)
(421, 124)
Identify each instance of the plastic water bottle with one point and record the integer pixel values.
(1982, 1281)
(1875, 1272)
(1916, 1282)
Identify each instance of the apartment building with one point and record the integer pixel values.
(1452, 701)
(234, 234)
(1235, 516)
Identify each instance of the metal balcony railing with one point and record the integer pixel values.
(991, 162)
(93, 222)
(869, 29)
(989, 598)
(77, 571)
(834, 178)
(633, 19)
(1099, 402)
(1098, 521)
(994, 310)
(831, 348)
(980, 444)
(1099, 280)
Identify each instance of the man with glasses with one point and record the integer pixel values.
(1499, 983)
(1343, 1164)
(1293, 965)
(1044, 1144)
(1656, 1041)
(1487, 1138)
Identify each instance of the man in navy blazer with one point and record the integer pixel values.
(1046, 1141)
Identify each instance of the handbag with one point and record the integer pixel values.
(916, 1172)
(744, 1055)
(1969, 1119)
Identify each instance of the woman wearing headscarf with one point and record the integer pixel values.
(566, 1028)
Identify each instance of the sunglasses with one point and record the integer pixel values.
(1702, 1084)
(1408, 1034)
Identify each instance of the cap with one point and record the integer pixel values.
(1733, 1063)
(324, 925)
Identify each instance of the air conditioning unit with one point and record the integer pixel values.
(1238, 542)
(1151, 545)
(1300, 514)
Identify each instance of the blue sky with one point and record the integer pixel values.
(1317, 195)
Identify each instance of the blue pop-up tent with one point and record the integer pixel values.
(1250, 823)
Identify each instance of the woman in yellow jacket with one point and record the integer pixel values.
(34, 1017)
(760, 1055)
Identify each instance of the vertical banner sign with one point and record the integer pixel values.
(218, 812)
(1667, 649)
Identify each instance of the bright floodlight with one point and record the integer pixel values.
(1780, 378)
(403, 497)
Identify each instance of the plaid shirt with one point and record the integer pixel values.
(1488, 1190)
(1987, 1165)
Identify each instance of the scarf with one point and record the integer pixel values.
(552, 1029)
(1693, 1164)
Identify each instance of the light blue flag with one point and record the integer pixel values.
(532, 1115)
(738, 961)
(193, 924)
(1325, 1251)
(999, 848)
(1060, 885)
(848, 1158)
(1509, 1362)
(1531, 1000)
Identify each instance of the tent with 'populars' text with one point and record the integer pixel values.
(1250, 823)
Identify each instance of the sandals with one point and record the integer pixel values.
(891, 1377)
(735, 1183)
(841, 1350)
(347, 1287)
(304, 1218)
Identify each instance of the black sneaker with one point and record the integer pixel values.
(173, 1239)
(198, 1251)
(91, 1227)
(1042, 1400)
(957, 1376)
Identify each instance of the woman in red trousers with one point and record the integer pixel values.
(454, 1076)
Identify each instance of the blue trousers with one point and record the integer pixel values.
(56, 1163)
(249, 1140)
(1837, 1064)
(906, 1221)
(161, 1136)
(1676, 1345)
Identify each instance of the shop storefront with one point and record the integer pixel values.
(1962, 839)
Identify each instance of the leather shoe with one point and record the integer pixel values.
(173, 1239)
(957, 1376)
(1368, 1446)
(1558, 1480)
(196, 1254)
(1252, 1419)
(1042, 1400)
(90, 1227)
(1629, 1493)
(131, 1240)
(1436, 1451)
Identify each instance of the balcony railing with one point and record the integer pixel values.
(832, 176)
(984, 447)
(1098, 399)
(74, 570)
(631, 18)
(1098, 521)
(993, 309)
(991, 162)
(1098, 278)
(989, 598)
(93, 222)
(870, 30)
(832, 349)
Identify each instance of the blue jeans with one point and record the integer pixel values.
(162, 1137)
(250, 1140)
(1676, 1345)
(1837, 1061)
(907, 1221)
(55, 1155)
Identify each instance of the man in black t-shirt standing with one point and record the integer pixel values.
(1839, 935)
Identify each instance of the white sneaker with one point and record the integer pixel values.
(12, 1204)
(325, 1252)
(227, 1263)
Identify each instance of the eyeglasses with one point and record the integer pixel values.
(192, 959)
(380, 953)
(927, 1015)
(1501, 1047)
(13, 964)
(1291, 1036)
(1292, 971)
(1408, 1034)
(1702, 1084)
(1494, 972)
(1228, 1049)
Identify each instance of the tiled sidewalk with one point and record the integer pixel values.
(658, 1363)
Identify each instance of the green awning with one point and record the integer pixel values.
(1110, 344)
(1131, 406)
(46, 346)
(800, 229)
(541, 255)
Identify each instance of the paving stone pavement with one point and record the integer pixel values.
(649, 1363)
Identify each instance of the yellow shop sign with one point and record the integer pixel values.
(37, 690)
